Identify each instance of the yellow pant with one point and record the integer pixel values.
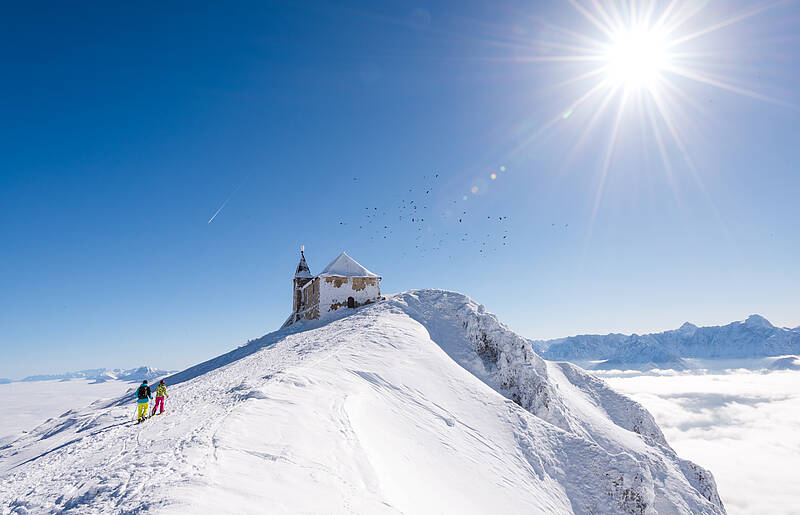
(142, 410)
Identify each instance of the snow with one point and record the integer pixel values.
(423, 403)
(28, 404)
(345, 266)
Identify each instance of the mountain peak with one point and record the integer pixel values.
(687, 328)
(757, 321)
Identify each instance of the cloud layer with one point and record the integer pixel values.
(742, 425)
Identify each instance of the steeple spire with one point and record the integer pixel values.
(302, 272)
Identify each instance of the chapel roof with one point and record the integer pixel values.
(345, 266)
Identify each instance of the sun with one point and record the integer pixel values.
(635, 62)
(636, 57)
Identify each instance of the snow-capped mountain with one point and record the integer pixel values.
(422, 403)
(754, 337)
(104, 374)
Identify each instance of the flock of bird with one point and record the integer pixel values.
(433, 224)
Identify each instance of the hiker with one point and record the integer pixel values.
(161, 392)
(143, 399)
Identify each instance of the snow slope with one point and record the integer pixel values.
(752, 338)
(423, 403)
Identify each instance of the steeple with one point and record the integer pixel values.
(303, 272)
(301, 277)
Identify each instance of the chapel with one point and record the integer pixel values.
(343, 284)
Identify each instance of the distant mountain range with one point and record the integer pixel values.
(100, 375)
(754, 337)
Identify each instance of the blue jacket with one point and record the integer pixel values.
(149, 396)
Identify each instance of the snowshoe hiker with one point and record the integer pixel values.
(161, 392)
(143, 396)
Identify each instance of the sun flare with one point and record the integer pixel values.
(633, 69)
(637, 57)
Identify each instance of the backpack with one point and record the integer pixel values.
(142, 392)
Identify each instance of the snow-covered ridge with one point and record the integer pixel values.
(508, 364)
(421, 403)
(754, 337)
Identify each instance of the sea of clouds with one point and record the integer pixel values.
(743, 425)
(26, 405)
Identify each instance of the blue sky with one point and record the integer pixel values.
(126, 128)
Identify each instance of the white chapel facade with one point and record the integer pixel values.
(343, 284)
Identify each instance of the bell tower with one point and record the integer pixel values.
(301, 277)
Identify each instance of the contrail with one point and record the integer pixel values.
(218, 210)
(229, 198)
